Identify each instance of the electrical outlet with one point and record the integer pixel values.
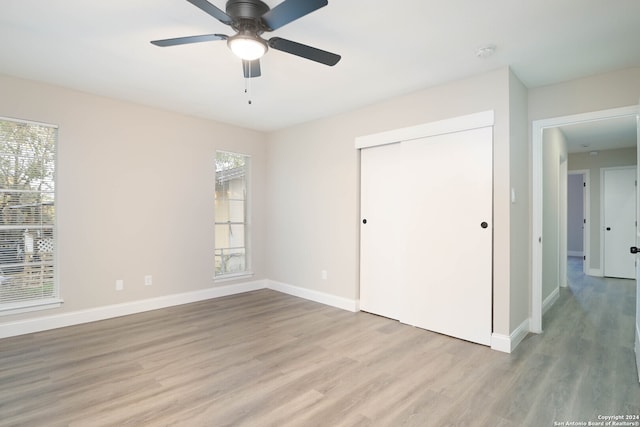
(119, 285)
(323, 274)
(148, 280)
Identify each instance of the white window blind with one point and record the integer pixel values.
(27, 215)
(231, 206)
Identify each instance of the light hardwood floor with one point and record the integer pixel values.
(268, 359)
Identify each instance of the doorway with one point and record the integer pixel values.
(537, 197)
(576, 216)
(578, 206)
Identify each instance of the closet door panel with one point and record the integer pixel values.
(382, 225)
(449, 234)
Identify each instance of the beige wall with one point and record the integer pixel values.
(554, 154)
(135, 194)
(604, 91)
(136, 186)
(313, 173)
(586, 161)
(520, 246)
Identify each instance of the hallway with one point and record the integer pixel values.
(587, 350)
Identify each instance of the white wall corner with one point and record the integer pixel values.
(550, 300)
(501, 342)
(27, 326)
(508, 343)
(316, 296)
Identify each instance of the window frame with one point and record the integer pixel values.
(247, 272)
(55, 300)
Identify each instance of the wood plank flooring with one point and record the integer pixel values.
(268, 359)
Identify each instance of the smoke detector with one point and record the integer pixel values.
(486, 51)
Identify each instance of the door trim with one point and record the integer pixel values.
(440, 127)
(538, 126)
(637, 323)
(586, 215)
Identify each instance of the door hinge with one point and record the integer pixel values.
(584, 257)
(584, 184)
(584, 221)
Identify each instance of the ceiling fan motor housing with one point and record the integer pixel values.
(246, 15)
(248, 9)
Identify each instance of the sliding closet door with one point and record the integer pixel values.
(448, 263)
(381, 231)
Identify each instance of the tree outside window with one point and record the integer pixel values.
(27, 211)
(231, 234)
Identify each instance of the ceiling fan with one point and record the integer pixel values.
(250, 19)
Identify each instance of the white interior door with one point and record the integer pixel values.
(381, 230)
(449, 244)
(637, 346)
(619, 221)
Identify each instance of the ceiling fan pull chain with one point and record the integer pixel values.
(247, 87)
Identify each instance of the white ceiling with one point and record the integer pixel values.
(388, 48)
(598, 135)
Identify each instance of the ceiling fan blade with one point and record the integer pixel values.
(304, 51)
(251, 68)
(290, 10)
(207, 7)
(189, 39)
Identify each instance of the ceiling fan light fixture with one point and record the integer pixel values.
(247, 46)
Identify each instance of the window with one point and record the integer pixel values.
(231, 228)
(27, 216)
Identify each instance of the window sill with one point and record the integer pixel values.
(25, 307)
(233, 276)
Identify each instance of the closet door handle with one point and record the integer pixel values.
(634, 250)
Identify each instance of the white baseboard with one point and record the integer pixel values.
(508, 343)
(595, 272)
(575, 253)
(550, 300)
(27, 326)
(501, 342)
(321, 297)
